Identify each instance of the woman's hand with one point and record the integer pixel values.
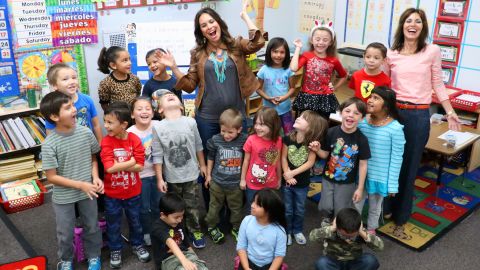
(243, 13)
(453, 122)
(166, 59)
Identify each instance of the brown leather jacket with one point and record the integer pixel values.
(247, 80)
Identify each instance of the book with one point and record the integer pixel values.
(30, 130)
(35, 129)
(19, 189)
(2, 147)
(18, 133)
(12, 135)
(6, 140)
(39, 124)
(24, 132)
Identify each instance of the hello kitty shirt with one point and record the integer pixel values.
(175, 145)
(264, 159)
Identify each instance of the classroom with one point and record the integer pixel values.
(134, 106)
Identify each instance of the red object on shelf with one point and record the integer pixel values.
(434, 96)
(24, 203)
(463, 104)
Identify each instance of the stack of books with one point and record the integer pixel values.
(18, 168)
(18, 189)
(21, 133)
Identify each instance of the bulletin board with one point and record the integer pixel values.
(8, 77)
(114, 4)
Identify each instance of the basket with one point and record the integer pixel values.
(24, 203)
(464, 104)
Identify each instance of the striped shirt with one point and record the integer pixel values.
(386, 146)
(71, 155)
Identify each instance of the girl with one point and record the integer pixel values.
(277, 82)
(142, 114)
(320, 63)
(120, 85)
(262, 239)
(296, 163)
(386, 140)
(261, 163)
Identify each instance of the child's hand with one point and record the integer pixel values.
(273, 100)
(291, 181)
(189, 265)
(243, 184)
(288, 175)
(333, 227)
(203, 170)
(357, 195)
(99, 184)
(330, 86)
(162, 186)
(207, 181)
(298, 43)
(89, 189)
(314, 146)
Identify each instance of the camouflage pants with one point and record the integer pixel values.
(189, 193)
(172, 262)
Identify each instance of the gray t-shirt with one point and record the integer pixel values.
(175, 145)
(220, 96)
(228, 158)
(71, 155)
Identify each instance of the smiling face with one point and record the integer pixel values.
(301, 124)
(412, 27)
(122, 64)
(375, 104)
(373, 59)
(350, 118)
(67, 116)
(168, 101)
(229, 133)
(113, 126)
(142, 112)
(321, 40)
(278, 55)
(66, 82)
(210, 28)
(155, 66)
(261, 129)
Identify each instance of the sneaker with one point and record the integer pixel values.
(300, 238)
(142, 253)
(289, 239)
(147, 239)
(115, 259)
(198, 240)
(216, 235)
(94, 263)
(64, 265)
(234, 233)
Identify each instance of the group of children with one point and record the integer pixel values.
(151, 167)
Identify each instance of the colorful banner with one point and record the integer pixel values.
(73, 22)
(8, 71)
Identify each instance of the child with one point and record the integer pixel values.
(364, 80)
(121, 84)
(320, 63)
(224, 163)
(177, 152)
(386, 139)
(63, 78)
(296, 163)
(142, 114)
(277, 83)
(342, 248)
(347, 151)
(261, 164)
(262, 239)
(68, 155)
(171, 248)
(123, 157)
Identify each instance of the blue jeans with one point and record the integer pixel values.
(294, 199)
(416, 127)
(113, 213)
(149, 210)
(249, 195)
(366, 261)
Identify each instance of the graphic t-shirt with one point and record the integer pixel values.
(85, 112)
(297, 155)
(264, 159)
(346, 149)
(161, 232)
(363, 83)
(318, 72)
(146, 137)
(275, 84)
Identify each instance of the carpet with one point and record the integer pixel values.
(433, 217)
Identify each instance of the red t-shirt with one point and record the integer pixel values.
(264, 159)
(363, 83)
(318, 72)
(123, 184)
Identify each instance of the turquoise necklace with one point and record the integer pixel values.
(220, 64)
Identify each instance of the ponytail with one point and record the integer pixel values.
(108, 56)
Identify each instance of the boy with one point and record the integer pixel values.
(171, 248)
(342, 246)
(68, 155)
(63, 78)
(224, 160)
(363, 81)
(177, 152)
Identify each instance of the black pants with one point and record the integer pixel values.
(255, 267)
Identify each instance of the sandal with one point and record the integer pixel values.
(399, 232)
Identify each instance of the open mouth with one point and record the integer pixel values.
(212, 33)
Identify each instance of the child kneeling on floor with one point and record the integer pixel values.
(343, 249)
(171, 246)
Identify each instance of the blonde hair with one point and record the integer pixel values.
(231, 118)
(52, 72)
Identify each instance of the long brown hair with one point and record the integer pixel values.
(270, 118)
(317, 126)
(201, 41)
(399, 38)
(332, 49)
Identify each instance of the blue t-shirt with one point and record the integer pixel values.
(275, 83)
(153, 85)
(85, 112)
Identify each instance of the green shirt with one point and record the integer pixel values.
(71, 155)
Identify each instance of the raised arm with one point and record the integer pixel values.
(296, 55)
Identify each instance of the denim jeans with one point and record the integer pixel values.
(114, 209)
(416, 127)
(294, 199)
(366, 261)
(149, 210)
(249, 196)
(287, 122)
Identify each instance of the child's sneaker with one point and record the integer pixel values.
(94, 264)
(198, 240)
(216, 235)
(234, 233)
(147, 239)
(115, 259)
(64, 265)
(300, 238)
(141, 253)
(289, 239)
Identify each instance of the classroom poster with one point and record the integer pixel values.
(73, 22)
(312, 10)
(8, 73)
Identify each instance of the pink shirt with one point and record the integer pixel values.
(414, 77)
